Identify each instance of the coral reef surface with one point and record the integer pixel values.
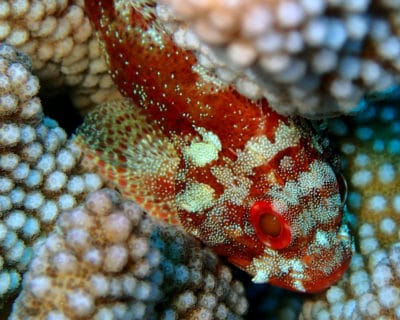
(313, 58)
(60, 41)
(39, 176)
(370, 145)
(108, 260)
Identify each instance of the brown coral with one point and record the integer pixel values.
(110, 261)
(311, 58)
(59, 39)
(38, 171)
(370, 145)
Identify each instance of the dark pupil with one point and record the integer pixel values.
(270, 225)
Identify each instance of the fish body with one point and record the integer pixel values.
(255, 186)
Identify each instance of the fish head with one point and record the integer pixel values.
(307, 244)
(277, 215)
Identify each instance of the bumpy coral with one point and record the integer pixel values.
(370, 289)
(38, 171)
(370, 145)
(59, 39)
(110, 261)
(307, 57)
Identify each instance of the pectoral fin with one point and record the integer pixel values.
(129, 152)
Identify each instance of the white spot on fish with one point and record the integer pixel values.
(196, 197)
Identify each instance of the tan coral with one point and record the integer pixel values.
(370, 145)
(39, 176)
(59, 39)
(312, 58)
(110, 261)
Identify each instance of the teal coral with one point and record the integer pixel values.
(370, 146)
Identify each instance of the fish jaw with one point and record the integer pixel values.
(321, 244)
(305, 245)
(315, 269)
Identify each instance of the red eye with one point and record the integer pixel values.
(271, 228)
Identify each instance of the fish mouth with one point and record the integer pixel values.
(324, 282)
(313, 284)
(340, 255)
(311, 272)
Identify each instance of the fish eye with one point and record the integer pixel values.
(271, 228)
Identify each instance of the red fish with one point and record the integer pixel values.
(255, 186)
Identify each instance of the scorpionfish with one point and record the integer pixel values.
(259, 188)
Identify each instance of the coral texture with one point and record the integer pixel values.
(108, 260)
(38, 171)
(63, 48)
(311, 58)
(370, 145)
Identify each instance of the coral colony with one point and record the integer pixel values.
(308, 57)
(58, 37)
(111, 262)
(204, 156)
(370, 147)
(39, 175)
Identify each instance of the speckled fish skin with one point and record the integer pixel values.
(255, 186)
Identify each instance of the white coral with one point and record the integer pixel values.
(38, 170)
(312, 58)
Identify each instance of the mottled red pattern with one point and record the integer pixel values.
(153, 150)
